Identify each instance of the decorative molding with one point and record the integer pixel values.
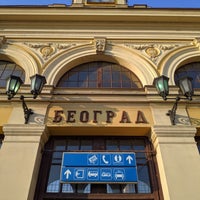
(100, 45)
(195, 121)
(23, 133)
(2, 40)
(196, 42)
(47, 50)
(172, 134)
(152, 51)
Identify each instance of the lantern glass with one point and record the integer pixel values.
(37, 83)
(185, 85)
(161, 84)
(13, 85)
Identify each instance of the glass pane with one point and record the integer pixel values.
(92, 76)
(73, 145)
(125, 145)
(144, 181)
(111, 145)
(57, 157)
(113, 188)
(190, 70)
(84, 188)
(129, 188)
(68, 188)
(116, 76)
(116, 84)
(59, 145)
(7, 69)
(104, 74)
(72, 76)
(72, 84)
(83, 76)
(54, 182)
(86, 145)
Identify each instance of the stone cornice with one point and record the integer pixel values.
(165, 134)
(24, 133)
(44, 14)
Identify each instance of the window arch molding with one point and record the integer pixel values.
(144, 70)
(178, 58)
(22, 58)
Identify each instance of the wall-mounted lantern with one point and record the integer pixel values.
(13, 85)
(185, 86)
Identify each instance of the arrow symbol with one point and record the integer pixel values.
(129, 158)
(67, 173)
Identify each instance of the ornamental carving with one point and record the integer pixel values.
(195, 121)
(100, 44)
(2, 41)
(196, 42)
(49, 49)
(153, 51)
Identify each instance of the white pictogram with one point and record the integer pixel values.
(79, 174)
(106, 174)
(129, 159)
(104, 159)
(118, 158)
(92, 174)
(93, 159)
(119, 175)
(67, 173)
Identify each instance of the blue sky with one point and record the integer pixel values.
(151, 3)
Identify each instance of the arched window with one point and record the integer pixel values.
(99, 75)
(49, 185)
(190, 70)
(7, 69)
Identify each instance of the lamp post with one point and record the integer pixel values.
(185, 86)
(13, 85)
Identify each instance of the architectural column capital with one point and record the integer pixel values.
(25, 133)
(173, 134)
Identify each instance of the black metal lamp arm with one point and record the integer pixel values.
(27, 111)
(172, 113)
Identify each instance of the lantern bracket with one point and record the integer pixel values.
(27, 111)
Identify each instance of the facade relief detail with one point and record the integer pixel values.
(152, 50)
(2, 40)
(196, 42)
(47, 50)
(100, 45)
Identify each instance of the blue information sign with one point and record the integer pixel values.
(98, 167)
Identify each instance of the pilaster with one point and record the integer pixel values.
(178, 161)
(20, 156)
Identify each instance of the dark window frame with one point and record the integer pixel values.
(1, 139)
(189, 70)
(197, 139)
(8, 68)
(41, 193)
(100, 74)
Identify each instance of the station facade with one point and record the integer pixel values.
(99, 60)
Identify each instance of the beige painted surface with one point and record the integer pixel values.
(5, 111)
(19, 161)
(178, 161)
